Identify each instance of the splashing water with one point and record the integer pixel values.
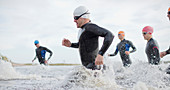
(139, 76)
(81, 77)
(7, 72)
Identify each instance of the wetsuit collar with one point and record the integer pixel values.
(39, 46)
(123, 40)
(84, 25)
(150, 39)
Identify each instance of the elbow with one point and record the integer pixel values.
(135, 49)
(51, 53)
(110, 37)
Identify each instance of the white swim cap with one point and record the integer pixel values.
(82, 10)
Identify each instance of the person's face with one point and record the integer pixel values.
(37, 45)
(120, 36)
(168, 15)
(79, 22)
(146, 35)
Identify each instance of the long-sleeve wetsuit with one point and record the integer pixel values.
(152, 52)
(40, 54)
(168, 51)
(123, 46)
(168, 69)
(88, 43)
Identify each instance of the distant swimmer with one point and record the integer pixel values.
(123, 48)
(164, 53)
(88, 36)
(152, 50)
(40, 53)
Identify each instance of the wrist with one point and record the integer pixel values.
(100, 53)
(71, 45)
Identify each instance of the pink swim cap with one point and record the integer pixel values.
(148, 29)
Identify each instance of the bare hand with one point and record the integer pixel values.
(162, 54)
(66, 42)
(127, 52)
(46, 61)
(32, 60)
(108, 54)
(99, 60)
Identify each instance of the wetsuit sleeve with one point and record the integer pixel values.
(99, 31)
(155, 56)
(115, 53)
(133, 47)
(74, 45)
(51, 53)
(35, 57)
(168, 51)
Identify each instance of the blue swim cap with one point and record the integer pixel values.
(36, 42)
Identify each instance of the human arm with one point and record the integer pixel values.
(51, 53)
(133, 47)
(34, 58)
(67, 43)
(164, 53)
(168, 51)
(127, 46)
(74, 45)
(108, 38)
(99, 31)
(99, 60)
(115, 53)
(155, 55)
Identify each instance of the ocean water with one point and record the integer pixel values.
(140, 76)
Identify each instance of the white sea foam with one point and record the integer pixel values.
(7, 72)
(81, 78)
(139, 76)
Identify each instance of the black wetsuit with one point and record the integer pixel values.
(152, 52)
(40, 54)
(168, 69)
(123, 46)
(88, 43)
(168, 51)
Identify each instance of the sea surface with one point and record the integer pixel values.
(140, 76)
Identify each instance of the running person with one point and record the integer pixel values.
(152, 49)
(123, 48)
(40, 53)
(168, 14)
(88, 39)
(164, 53)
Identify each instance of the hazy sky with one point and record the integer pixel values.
(49, 21)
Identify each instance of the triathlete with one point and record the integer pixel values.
(40, 53)
(88, 37)
(164, 53)
(123, 48)
(152, 49)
